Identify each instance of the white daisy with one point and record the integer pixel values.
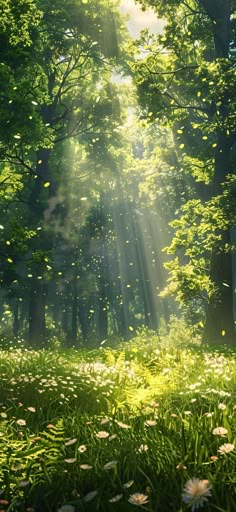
(196, 492)
(138, 499)
(226, 448)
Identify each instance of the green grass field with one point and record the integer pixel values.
(88, 430)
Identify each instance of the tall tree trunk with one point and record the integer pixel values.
(219, 325)
(16, 317)
(37, 323)
(102, 318)
(38, 215)
(74, 319)
(83, 318)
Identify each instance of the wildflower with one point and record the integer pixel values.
(128, 484)
(226, 448)
(37, 438)
(22, 423)
(220, 431)
(138, 499)
(70, 442)
(143, 448)
(112, 437)
(180, 466)
(116, 498)
(70, 461)
(214, 458)
(123, 425)
(75, 493)
(174, 415)
(196, 492)
(111, 464)
(224, 393)
(31, 409)
(90, 496)
(102, 434)
(150, 423)
(66, 508)
(208, 414)
(85, 466)
(104, 421)
(82, 448)
(222, 406)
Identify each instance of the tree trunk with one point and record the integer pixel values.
(74, 321)
(16, 317)
(102, 319)
(219, 12)
(83, 319)
(37, 324)
(219, 325)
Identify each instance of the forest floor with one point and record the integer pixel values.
(114, 428)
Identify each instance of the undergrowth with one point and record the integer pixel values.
(87, 430)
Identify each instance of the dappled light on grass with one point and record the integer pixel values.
(86, 449)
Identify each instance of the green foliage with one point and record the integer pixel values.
(186, 83)
(197, 231)
(18, 20)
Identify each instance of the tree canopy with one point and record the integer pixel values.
(112, 149)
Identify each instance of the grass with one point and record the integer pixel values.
(85, 430)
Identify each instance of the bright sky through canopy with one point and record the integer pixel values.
(138, 19)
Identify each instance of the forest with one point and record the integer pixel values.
(118, 255)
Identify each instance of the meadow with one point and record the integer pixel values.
(149, 423)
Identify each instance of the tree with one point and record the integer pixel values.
(52, 73)
(188, 83)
